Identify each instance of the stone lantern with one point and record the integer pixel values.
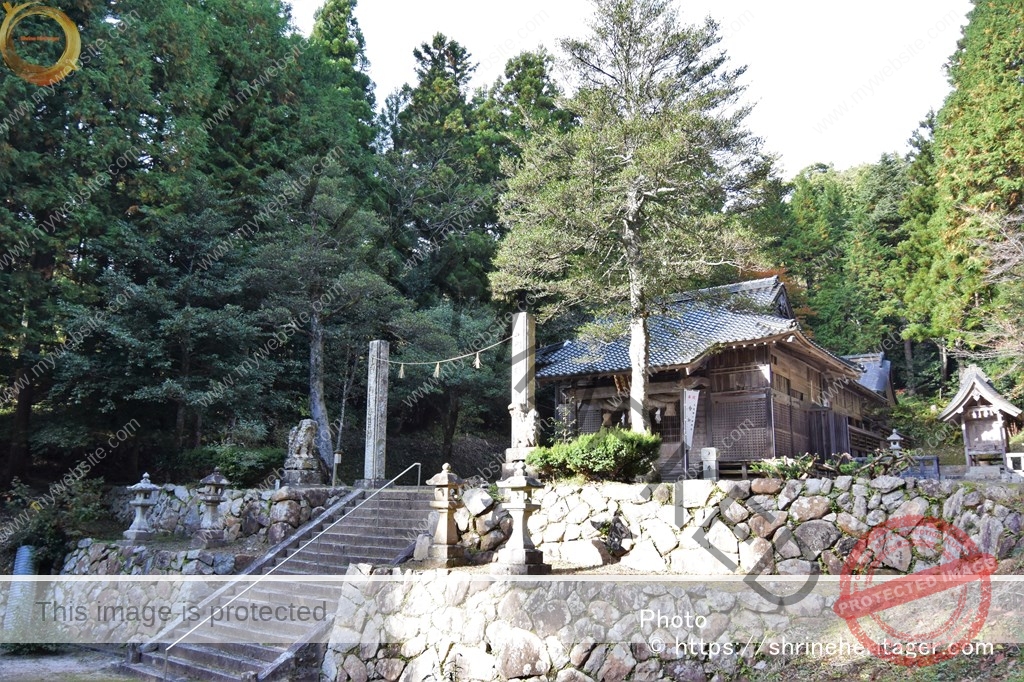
(520, 556)
(144, 498)
(894, 441)
(446, 550)
(211, 534)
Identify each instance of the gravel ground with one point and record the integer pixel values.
(74, 665)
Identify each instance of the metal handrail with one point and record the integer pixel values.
(316, 538)
(419, 475)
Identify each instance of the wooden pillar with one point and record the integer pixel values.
(376, 411)
(967, 446)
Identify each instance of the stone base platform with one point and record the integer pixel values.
(984, 473)
(513, 455)
(514, 561)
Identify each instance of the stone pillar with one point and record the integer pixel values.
(446, 551)
(523, 405)
(709, 462)
(520, 556)
(376, 413)
(524, 380)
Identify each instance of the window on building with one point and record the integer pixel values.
(665, 422)
(588, 419)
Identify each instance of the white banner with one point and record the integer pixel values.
(690, 398)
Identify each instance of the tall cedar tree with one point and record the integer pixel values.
(441, 171)
(645, 196)
(916, 252)
(442, 150)
(979, 152)
(168, 136)
(76, 158)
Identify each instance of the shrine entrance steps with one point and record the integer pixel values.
(375, 527)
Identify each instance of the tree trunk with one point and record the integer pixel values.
(943, 362)
(639, 334)
(182, 415)
(346, 388)
(197, 431)
(17, 459)
(908, 356)
(132, 462)
(639, 347)
(179, 424)
(317, 401)
(449, 420)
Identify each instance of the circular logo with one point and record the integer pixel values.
(883, 616)
(37, 74)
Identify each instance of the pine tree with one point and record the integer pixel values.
(523, 100)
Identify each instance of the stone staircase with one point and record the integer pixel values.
(375, 527)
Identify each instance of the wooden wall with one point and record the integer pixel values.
(758, 401)
(740, 419)
(800, 394)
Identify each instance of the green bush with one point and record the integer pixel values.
(245, 467)
(609, 454)
(31, 649)
(54, 517)
(878, 463)
(784, 467)
(914, 418)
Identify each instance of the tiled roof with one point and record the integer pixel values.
(975, 385)
(875, 370)
(693, 324)
(759, 292)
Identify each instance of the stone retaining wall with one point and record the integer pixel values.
(437, 627)
(762, 525)
(108, 558)
(270, 515)
(267, 515)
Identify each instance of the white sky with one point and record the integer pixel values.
(835, 82)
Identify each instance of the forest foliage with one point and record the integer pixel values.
(204, 226)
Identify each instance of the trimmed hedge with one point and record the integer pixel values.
(609, 454)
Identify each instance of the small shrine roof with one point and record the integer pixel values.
(976, 387)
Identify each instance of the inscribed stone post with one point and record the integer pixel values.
(376, 411)
(523, 407)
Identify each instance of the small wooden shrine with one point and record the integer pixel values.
(986, 418)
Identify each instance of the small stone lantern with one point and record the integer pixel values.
(520, 556)
(144, 498)
(894, 441)
(211, 534)
(446, 550)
